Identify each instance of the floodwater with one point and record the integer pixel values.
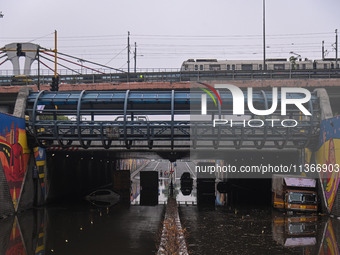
(86, 229)
(261, 230)
(82, 229)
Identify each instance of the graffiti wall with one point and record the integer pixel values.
(22, 172)
(40, 169)
(328, 160)
(131, 164)
(14, 154)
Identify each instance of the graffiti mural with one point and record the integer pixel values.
(131, 164)
(329, 244)
(328, 156)
(15, 244)
(40, 162)
(14, 153)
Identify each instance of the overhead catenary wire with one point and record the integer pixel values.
(116, 55)
(40, 37)
(3, 61)
(75, 63)
(94, 63)
(47, 66)
(68, 68)
(97, 48)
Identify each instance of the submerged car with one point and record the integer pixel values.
(103, 197)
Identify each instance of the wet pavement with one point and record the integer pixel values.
(82, 229)
(121, 229)
(252, 231)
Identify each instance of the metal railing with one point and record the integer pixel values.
(172, 76)
(111, 119)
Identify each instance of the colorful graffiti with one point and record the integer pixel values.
(14, 153)
(40, 171)
(15, 244)
(328, 155)
(131, 164)
(329, 245)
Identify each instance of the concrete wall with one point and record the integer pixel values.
(72, 175)
(305, 83)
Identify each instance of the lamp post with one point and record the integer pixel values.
(336, 48)
(264, 35)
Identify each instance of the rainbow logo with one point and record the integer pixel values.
(209, 93)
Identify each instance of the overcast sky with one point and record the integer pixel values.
(169, 32)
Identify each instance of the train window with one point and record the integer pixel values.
(196, 67)
(247, 67)
(214, 67)
(332, 65)
(186, 67)
(279, 66)
(324, 66)
(233, 67)
(228, 67)
(201, 67)
(260, 66)
(265, 67)
(303, 66)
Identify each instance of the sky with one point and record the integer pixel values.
(169, 32)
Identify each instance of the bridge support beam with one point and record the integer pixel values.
(20, 103)
(325, 105)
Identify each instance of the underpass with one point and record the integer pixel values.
(77, 163)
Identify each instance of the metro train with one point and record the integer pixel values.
(249, 65)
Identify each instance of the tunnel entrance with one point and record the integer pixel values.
(73, 174)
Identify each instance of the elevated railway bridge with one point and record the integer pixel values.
(164, 75)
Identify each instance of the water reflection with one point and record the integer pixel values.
(81, 229)
(258, 230)
(295, 231)
(330, 239)
(183, 196)
(85, 229)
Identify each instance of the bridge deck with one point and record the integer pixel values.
(136, 119)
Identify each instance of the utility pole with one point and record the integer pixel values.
(128, 53)
(264, 35)
(55, 54)
(38, 53)
(55, 79)
(135, 56)
(336, 48)
(323, 50)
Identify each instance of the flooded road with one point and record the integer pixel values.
(257, 231)
(82, 229)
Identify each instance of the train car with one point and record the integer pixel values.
(249, 65)
(327, 63)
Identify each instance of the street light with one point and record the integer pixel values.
(264, 35)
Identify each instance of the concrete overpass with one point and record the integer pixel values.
(8, 94)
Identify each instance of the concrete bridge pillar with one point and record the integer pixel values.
(325, 105)
(17, 50)
(20, 103)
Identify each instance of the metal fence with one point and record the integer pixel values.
(170, 76)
